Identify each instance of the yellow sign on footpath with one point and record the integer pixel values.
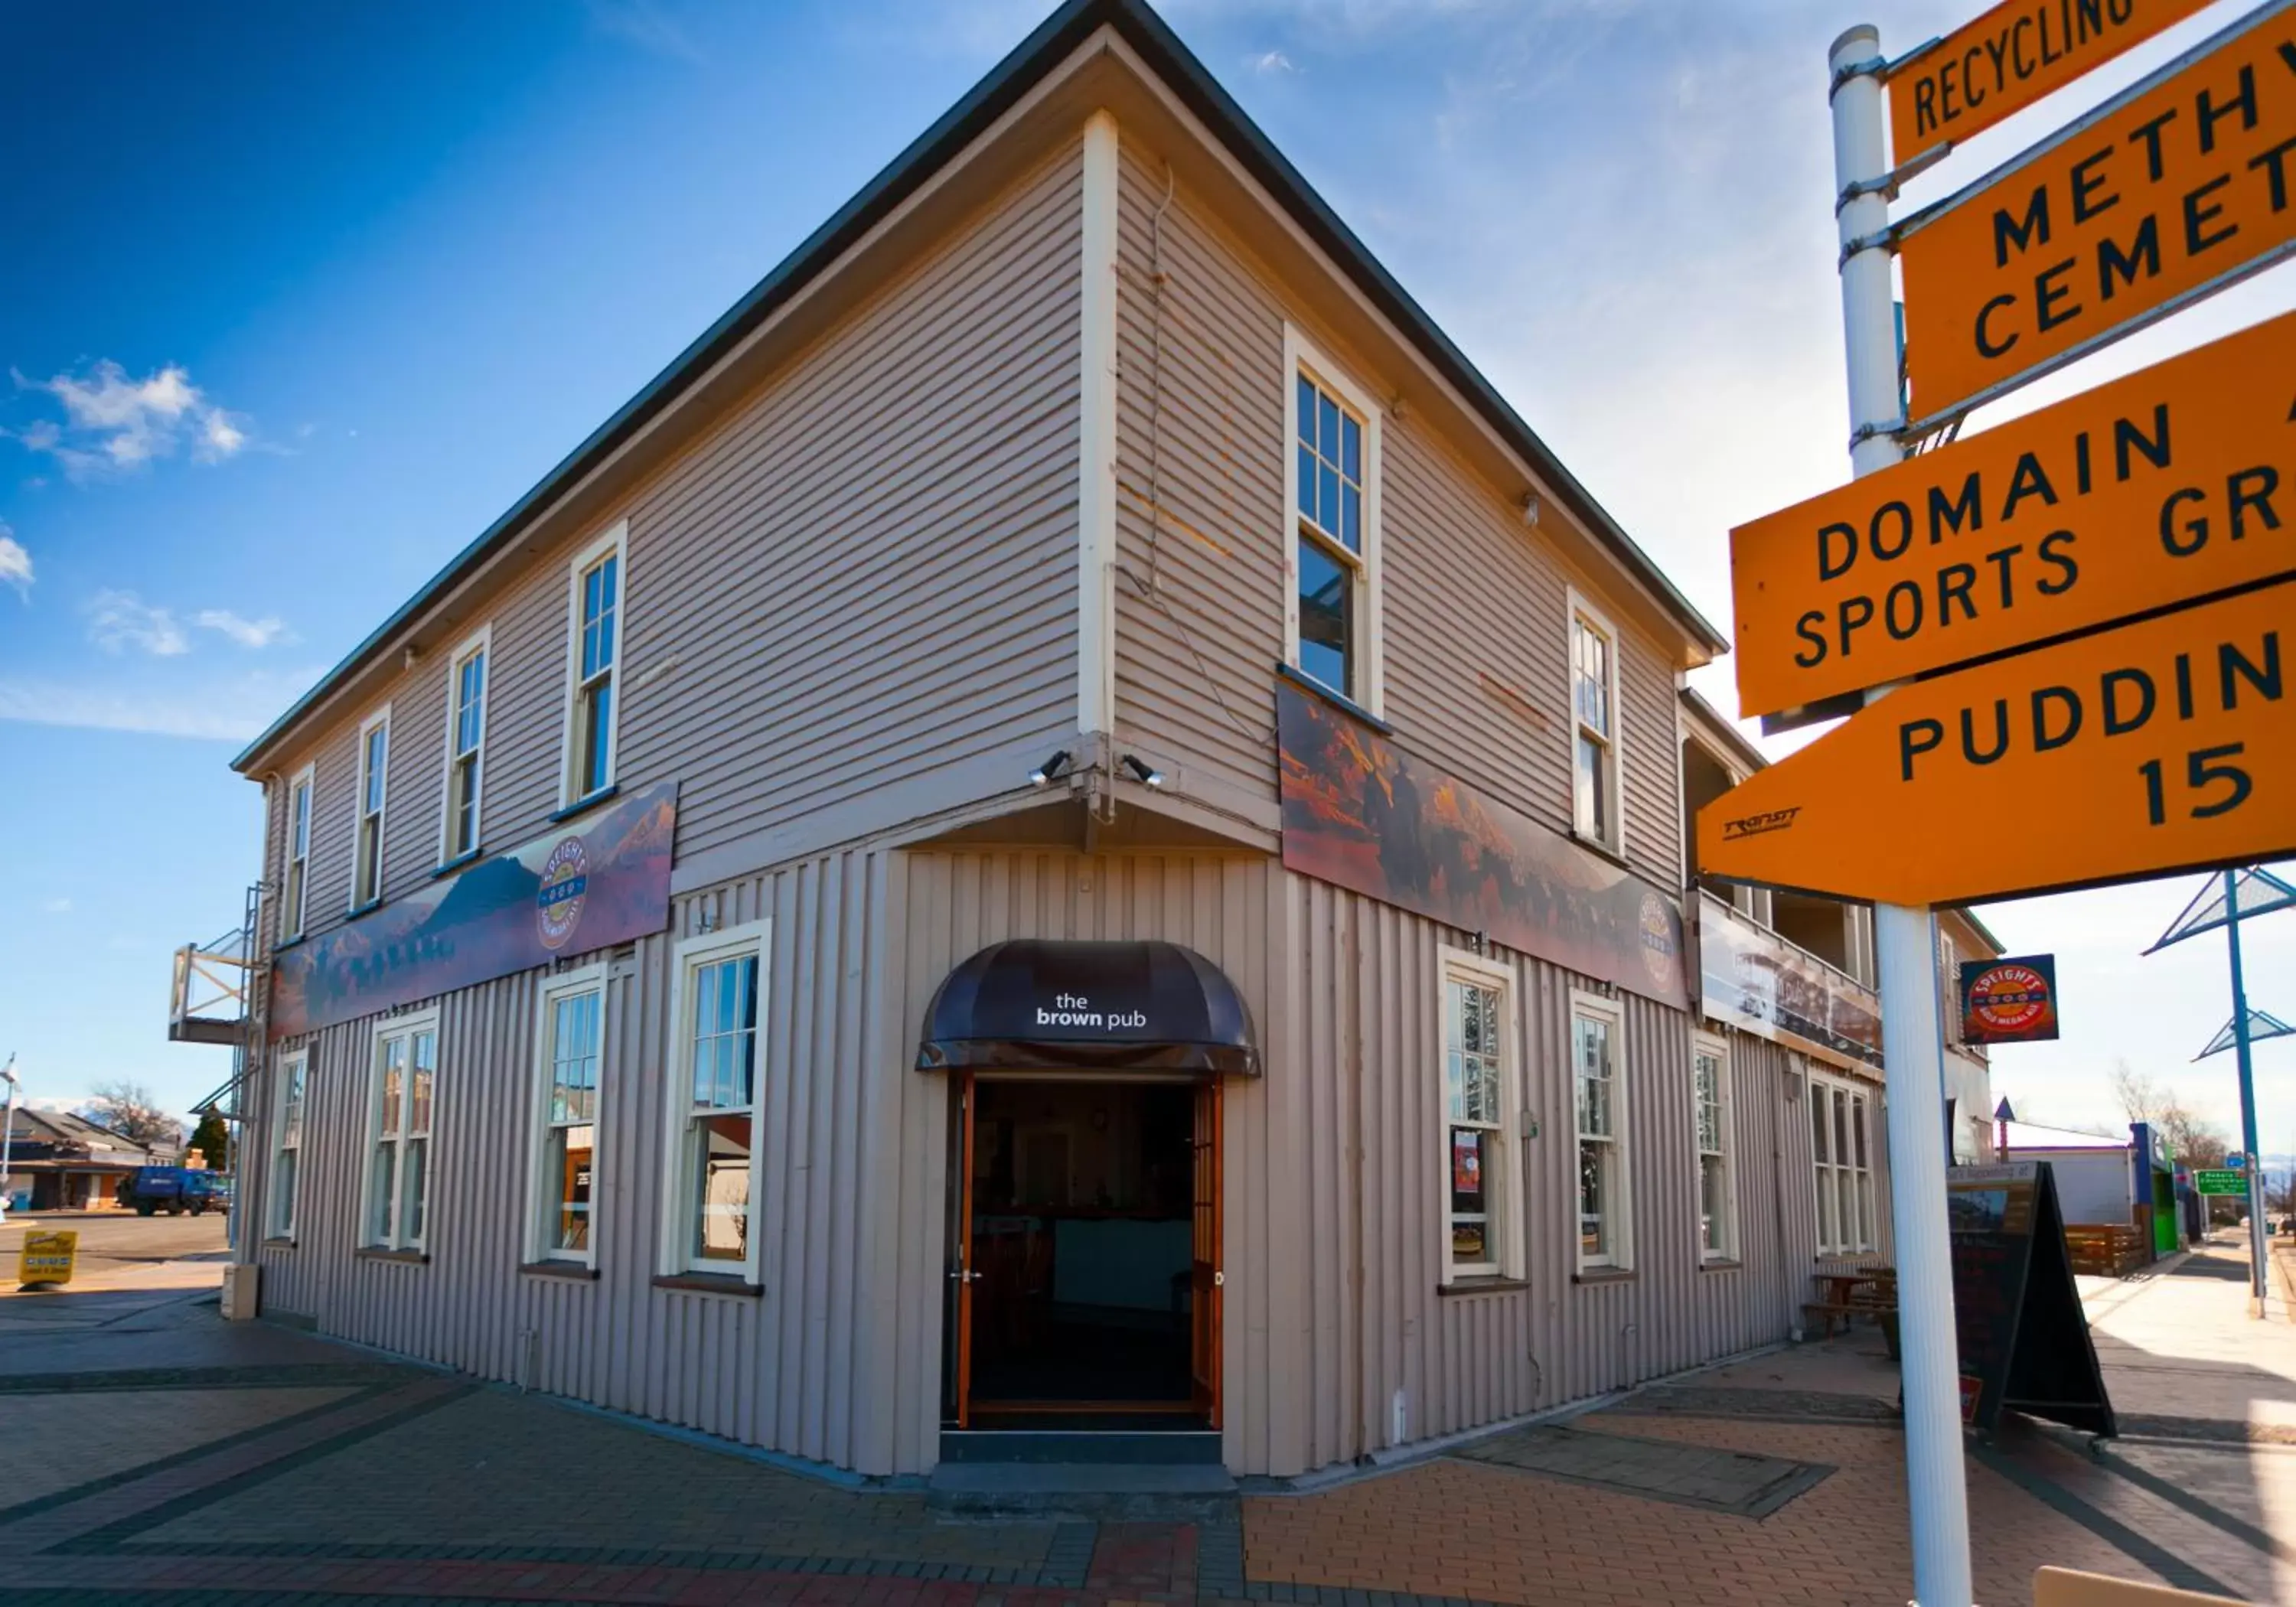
(2021, 50)
(2176, 191)
(2172, 484)
(48, 1258)
(2162, 746)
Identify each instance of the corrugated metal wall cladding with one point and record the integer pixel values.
(918, 461)
(1468, 591)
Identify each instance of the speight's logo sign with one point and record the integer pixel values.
(2011, 1001)
(558, 901)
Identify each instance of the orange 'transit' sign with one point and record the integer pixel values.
(2170, 484)
(2160, 746)
(2005, 61)
(2174, 191)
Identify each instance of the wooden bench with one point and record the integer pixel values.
(1847, 1296)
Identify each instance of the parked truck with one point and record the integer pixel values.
(174, 1190)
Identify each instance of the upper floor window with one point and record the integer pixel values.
(296, 885)
(367, 853)
(594, 656)
(1595, 726)
(1332, 554)
(1478, 1103)
(466, 737)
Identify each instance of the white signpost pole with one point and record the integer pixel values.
(1905, 948)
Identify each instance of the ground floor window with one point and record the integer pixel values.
(1597, 1028)
(1718, 1210)
(1479, 1100)
(571, 1038)
(1841, 1150)
(397, 1184)
(714, 1081)
(287, 1141)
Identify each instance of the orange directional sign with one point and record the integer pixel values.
(2166, 745)
(2009, 58)
(2170, 484)
(2171, 193)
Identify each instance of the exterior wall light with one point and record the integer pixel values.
(1147, 774)
(1043, 774)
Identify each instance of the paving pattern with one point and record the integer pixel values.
(183, 1462)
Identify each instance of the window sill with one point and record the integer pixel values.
(1603, 1274)
(359, 910)
(405, 1258)
(709, 1282)
(579, 1271)
(583, 806)
(276, 1242)
(458, 862)
(1338, 699)
(1595, 845)
(1482, 1285)
(297, 941)
(1721, 1264)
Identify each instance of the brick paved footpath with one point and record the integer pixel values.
(276, 1468)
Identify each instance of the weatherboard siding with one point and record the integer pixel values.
(862, 575)
(1475, 611)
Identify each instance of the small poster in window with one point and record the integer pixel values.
(1466, 1170)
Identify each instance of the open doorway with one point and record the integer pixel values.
(1089, 1219)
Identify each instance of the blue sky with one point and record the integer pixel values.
(298, 299)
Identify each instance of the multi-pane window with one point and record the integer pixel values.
(287, 1143)
(572, 1039)
(293, 893)
(716, 1087)
(595, 651)
(1840, 1140)
(466, 735)
(1717, 1213)
(1474, 1072)
(398, 1127)
(375, 763)
(1594, 1030)
(1333, 473)
(1594, 728)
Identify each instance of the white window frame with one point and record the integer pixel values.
(1503, 1195)
(1713, 1045)
(295, 872)
(754, 940)
(1620, 1255)
(479, 645)
(290, 1109)
(380, 718)
(397, 1237)
(542, 1194)
(615, 544)
(1586, 616)
(1827, 1170)
(1302, 356)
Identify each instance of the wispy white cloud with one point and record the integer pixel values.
(1271, 60)
(227, 708)
(247, 632)
(646, 24)
(56, 907)
(115, 424)
(120, 620)
(15, 563)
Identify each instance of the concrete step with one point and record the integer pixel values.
(1106, 1492)
(1200, 1446)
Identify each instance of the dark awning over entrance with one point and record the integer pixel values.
(1088, 1006)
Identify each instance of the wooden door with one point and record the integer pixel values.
(1204, 1277)
(963, 1274)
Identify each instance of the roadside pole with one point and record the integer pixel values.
(2257, 1281)
(1904, 944)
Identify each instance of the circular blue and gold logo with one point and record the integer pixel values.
(558, 904)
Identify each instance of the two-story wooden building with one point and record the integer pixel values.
(1067, 822)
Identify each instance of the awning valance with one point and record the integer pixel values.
(1094, 1006)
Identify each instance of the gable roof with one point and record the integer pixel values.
(1037, 56)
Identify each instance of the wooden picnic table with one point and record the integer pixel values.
(1866, 1290)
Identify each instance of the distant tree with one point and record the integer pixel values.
(129, 1109)
(212, 1141)
(2192, 1139)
